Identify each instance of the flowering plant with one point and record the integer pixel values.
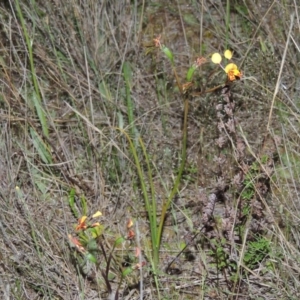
(230, 69)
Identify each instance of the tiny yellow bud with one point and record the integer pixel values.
(82, 219)
(228, 54)
(97, 214)
(95, 224)
(216, 58)
(129, 223)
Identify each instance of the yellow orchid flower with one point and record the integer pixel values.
(233, 72)
(231, 69)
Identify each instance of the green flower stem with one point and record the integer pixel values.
(153, 209)
(174, 190)
(150, 207)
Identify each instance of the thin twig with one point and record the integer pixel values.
(280, 71)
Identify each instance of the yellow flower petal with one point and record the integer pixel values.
(216, 58)
(237, 73)
(97, 214)
(231, 67)
(228, 54)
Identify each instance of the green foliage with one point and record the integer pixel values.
(91, 257)
(83, 205)
(219, 253)
(127, 74)
(190, 172)
(127, 271)
(249, 189)
(246, 209)
(72, 203)
(250, 179)
(41, 147)
(149, 203)
(191, 72)
(74, 210)
(96, 231)
(256, 252)
(119, 241)
(36, 96)
(89, 250)
(168, 53)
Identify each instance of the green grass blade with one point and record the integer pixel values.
(127, 73)
(178, 177)
(84, 205)
(36, 99)
(40, 112)
(168, 53)
(72, 194)
(152, 209)
(41, 147)
(191, 72)
(148, 205)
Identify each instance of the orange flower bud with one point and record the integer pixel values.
(81, 223)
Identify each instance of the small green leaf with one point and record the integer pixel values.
(190, 19)
(182, 245)
(190, 72)
(168, 53)
(41, 147)
(104, 91)
(72, 203)
(127, 73)
(91, 257)
(41, 114)
(84, 239)
(84, 205)
(111, 276)
(92, 245)
(263, 46)
(127, 271)
(96, 231)
(119, 241)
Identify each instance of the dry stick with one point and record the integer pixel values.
(182, 24)
(280, 71)
(295, 44)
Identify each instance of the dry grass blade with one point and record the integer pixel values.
(278, 83)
